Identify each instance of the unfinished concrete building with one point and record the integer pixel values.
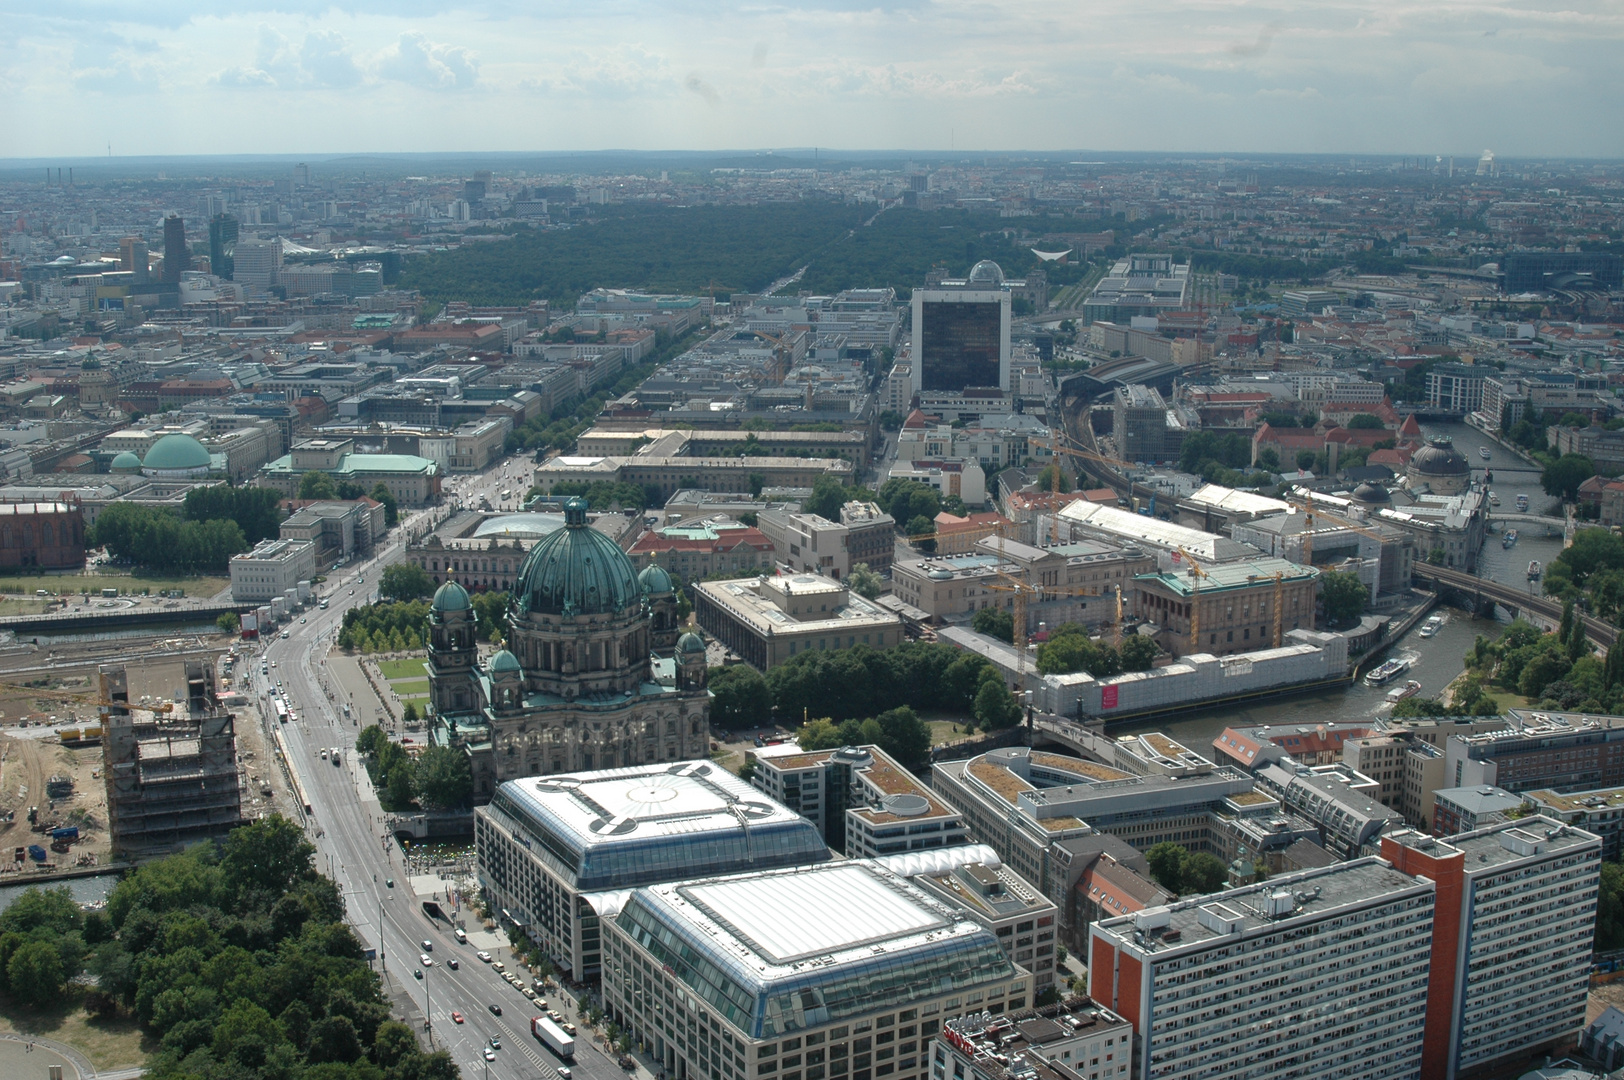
(171, 770)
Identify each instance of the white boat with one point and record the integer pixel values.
(1494, 500)
(1386, 672)
(1483, 452)
(1522, 504)
(1510, 539)
(1399, 693)
(1534, 570)
(1431, 626)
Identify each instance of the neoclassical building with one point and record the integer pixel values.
(593, 675)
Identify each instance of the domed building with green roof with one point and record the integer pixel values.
(177, 457)
(582, 683)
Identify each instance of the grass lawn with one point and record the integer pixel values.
(132, 582)
(409, 687)
(394, 670)
(943, 731)
(21, 605)
(109, 1044)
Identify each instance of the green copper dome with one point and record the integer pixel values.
(577, 571)
(126, 462)
(654, 579)
(451, 597)
(690, 643)
(502, 660)
(176, 452)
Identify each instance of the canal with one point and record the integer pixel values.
(1437, 660)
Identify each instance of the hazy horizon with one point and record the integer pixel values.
(1525, 78)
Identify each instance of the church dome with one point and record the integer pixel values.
(1440, 458)
(986, 272)
(126, 462)
(451, 597)
(655, 580)
(577, 571)
(503, 660)
(690, 643)
(1372, 495)
(176, 453)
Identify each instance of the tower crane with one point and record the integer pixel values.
(1196, 574)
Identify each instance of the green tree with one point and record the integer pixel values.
(271, 855)
(740, 698)
(247, 1035)
(995, 706)
(920, 525)
(391, 509)
(402, 788)
(228, 622)
(444, 778)
(1305, 460)
(404, 581)
(317, 485)
(828, 496)
(1202, 873)
(1166, 861)
(409, 713)
(34, 974)
(1344, 596)
(1139, 653)
(1610, 908)
(904, 736)
(1046, 480)
(1365, 422)
(865, 582)
(1563, 476)
(994, 622)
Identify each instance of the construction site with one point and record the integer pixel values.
(54, 765)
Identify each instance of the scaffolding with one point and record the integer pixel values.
(171, 775)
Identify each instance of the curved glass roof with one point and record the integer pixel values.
(796, 949)
(519, 526)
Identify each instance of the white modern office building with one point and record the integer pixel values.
(554, 850)
(271, 569)
(1321, 973)
(837, 972)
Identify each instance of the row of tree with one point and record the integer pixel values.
(861, 683)
(234, 959)
(160, 540)
(405, 621)
(437, 779)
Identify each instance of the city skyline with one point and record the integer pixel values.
(1237, 78)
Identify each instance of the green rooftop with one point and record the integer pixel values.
(1236, 575)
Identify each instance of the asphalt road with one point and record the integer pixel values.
(353, 848)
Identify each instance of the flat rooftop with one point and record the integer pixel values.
(674, 799)
(790, 917)
(1201, 920)
(1503, 842)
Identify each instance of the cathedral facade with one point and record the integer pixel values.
(593, 675)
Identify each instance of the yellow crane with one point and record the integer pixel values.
(1056, 449)
(781, 356)
(1196, 574)
(1308, 506)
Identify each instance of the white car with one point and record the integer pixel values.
(425, 959)
(483, 955)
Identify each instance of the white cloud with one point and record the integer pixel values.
(416, 60)
(1357, 75)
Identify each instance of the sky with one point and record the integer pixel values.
(1525, 78)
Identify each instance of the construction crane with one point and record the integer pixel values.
(1196, 574)
(1056, 449)
(1308, 506)
(781, 356)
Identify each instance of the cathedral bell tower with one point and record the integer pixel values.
(452, 652)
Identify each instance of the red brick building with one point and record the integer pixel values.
(41, 536)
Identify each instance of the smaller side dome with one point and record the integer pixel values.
(690, 643)
(126, 462)
(503, 660)
(452, 597)
(655, 580)
(1371, 495)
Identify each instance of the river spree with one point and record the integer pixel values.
(1437, 660)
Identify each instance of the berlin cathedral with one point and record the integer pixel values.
(594, 673)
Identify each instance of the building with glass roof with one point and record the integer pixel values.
(843, 970)
(553, 850)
